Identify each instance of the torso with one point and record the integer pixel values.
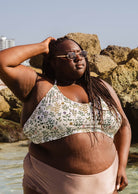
(85, 153)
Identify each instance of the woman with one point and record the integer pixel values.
(80, 136)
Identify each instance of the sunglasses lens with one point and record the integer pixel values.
(83, 53)
(71, 55)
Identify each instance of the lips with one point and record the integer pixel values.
(79, 66)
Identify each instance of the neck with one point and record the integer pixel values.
(65, 82)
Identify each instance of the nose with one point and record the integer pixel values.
(78, 57)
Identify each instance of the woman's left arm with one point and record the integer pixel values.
(122, 142)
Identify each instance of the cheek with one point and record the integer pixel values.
(68, 66)
(85, 63)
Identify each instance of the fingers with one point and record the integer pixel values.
(46, 43)
(121, 183)
(49, 39)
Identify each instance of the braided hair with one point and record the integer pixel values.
(94, 86)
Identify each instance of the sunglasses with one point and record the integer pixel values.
(73, 55)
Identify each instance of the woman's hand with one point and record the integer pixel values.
(121, 181)
(46, 44)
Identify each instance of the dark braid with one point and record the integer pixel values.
(94, 86)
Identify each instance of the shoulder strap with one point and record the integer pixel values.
(55, 83)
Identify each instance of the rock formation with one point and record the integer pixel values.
(10, 106)
(115, 64)
(116, 53)
(10, 131)
(10, 111)
(101, 64)
(133, 54)
(89, 42)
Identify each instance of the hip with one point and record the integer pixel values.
(44, 178)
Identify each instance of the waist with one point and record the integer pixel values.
(80, 153)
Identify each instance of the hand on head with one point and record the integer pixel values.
(46, 43)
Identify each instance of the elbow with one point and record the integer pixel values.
(126, 124)
(126, 128)
(3, 59)
(2, 66)
(2, 63)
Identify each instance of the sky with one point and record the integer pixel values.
(31, 21)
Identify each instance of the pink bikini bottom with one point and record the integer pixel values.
(45, 179)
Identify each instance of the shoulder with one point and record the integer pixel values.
(98, 83)
(117, 100)
(42, 86)
(111, 90)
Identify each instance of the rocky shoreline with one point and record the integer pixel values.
(115, 64)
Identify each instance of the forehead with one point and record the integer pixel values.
(68, 45)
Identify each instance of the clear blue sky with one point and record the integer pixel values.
(29, 21)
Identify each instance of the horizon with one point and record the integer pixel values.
(76, 32)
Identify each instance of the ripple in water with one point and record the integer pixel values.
(11, 167)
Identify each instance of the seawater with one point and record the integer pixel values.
(11, 168)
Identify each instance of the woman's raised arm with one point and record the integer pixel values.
(20, 79)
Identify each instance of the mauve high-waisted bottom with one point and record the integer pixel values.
(46, 179)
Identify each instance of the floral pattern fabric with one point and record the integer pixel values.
(56, 116)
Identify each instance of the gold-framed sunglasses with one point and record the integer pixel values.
(73, 55)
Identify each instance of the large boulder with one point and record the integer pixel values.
(130, 96)
(123, 76)
(4, 106)
(101, 64)
(10, 106)
(133, 54)
(116, 53)
(10, 131)
(124, 80)
(88, 42)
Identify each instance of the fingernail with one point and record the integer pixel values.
(118, 186)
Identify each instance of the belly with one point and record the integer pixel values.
(84, 153)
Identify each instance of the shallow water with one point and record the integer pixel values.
(11, 170)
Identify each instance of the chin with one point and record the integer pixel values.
(78, 76)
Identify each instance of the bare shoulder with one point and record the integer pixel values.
(116, 99)
(112, 92)
(41, 87)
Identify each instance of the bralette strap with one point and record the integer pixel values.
(55, 83)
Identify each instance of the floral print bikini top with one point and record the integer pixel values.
(56, 116)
